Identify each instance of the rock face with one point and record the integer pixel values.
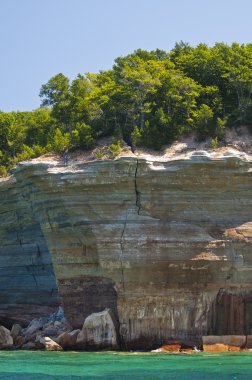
(164, 244)
(99, 330)
(168, 348)
(50, 345)
(249, 342)
(15, 331)
(229, 340)
(51, 326)
(6, 339)
(68, 339)
(27, 282)
(220, 347)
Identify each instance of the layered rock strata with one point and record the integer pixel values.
(27, 282)
(164, 244)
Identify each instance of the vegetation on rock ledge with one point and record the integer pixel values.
(147, 98)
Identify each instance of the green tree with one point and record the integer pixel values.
(55, 93)
(202, 120)
(6, 120)
(15, 138)
(60, 142)
(69, 101)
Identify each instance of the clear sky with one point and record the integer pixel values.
(40, 38)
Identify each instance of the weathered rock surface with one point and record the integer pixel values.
(30, 346)
(51, 326)
(50, 345)
(249, 341)
(99, 330)
(220, 347)
(230, 340)
(27, 282)
(68, 339)
(165, 244)
(6, 339)
(15, 331)
(168, 348)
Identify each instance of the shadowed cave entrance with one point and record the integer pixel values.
(231, 314)
(83, 296)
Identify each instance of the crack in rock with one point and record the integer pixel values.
(138, 194)
(122, 250)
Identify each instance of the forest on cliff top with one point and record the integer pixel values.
(147, 99)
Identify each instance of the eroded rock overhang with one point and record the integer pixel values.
(165, 244)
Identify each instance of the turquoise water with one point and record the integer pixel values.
(112, 366)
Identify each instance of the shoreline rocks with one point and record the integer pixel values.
(224, 343)
(6, 340)
(67, 340)
(99, 331)
(220, 347)
(50, 345)
(53, 333)
(168, 348)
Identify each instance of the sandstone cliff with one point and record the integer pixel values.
(164, 243)
(27, 282)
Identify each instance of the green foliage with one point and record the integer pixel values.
(68, 100)
(114, 149)
(147, 98)
(214, 143)
(56, 94)
(26, 154)
(38, 125)
(202, 120)
(86, 139)
(221, 127)
(136, 136)
(99, 155)
(6, 120)
(15, 138)
(3, 171)
(61, 141)
(38, 150)
(151, 136)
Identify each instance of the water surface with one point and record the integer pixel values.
(39, 365)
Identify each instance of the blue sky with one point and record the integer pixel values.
(40, 38)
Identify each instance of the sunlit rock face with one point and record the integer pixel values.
(165, 245)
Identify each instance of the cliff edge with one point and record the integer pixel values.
(164, 242)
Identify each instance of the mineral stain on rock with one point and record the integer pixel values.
(164, 244)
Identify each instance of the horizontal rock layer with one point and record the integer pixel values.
(165, 245)
(27, 282)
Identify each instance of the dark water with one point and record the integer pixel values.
(112, 366)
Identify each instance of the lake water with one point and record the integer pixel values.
(113, 366)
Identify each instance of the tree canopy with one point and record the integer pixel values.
(146, 98)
